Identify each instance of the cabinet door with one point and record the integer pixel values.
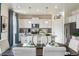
(77, 22)
(45, 23)
(73, 19)
(70, 19)
(66, 20)
(49, 24)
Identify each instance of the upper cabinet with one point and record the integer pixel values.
(74, 18)
(77, 22)
(70, 19)
(26, 23)
(43, 23)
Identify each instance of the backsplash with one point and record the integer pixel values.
(28, 30)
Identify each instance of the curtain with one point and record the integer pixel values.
(10, 28)
(17, 30)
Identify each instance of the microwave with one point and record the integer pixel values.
(35, 25)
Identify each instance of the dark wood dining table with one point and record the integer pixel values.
(39, 49)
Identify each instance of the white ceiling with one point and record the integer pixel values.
(42, 8)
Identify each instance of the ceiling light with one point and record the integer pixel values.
(19, 7)
(29, 22)
(46, 22)
(56, 7)
(37, 10)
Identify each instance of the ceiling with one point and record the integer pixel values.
(43, 8)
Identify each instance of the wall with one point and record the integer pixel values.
(4, 45)
(4, 14)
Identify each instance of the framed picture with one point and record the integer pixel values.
(1, 23)
(0, 26)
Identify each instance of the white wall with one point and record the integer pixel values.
(4, 45)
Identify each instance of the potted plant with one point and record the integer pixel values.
(75, 35)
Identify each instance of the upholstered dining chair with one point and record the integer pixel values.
(54, 51)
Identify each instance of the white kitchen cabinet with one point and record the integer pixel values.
(77, 22)
(42, 24)
(74, 18)
(66, 20)
(70, 19)
(45, 23)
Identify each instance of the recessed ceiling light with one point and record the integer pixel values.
(37, 10)
(56, 7)
(46, 22)
(18, 7)
(29, 22)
